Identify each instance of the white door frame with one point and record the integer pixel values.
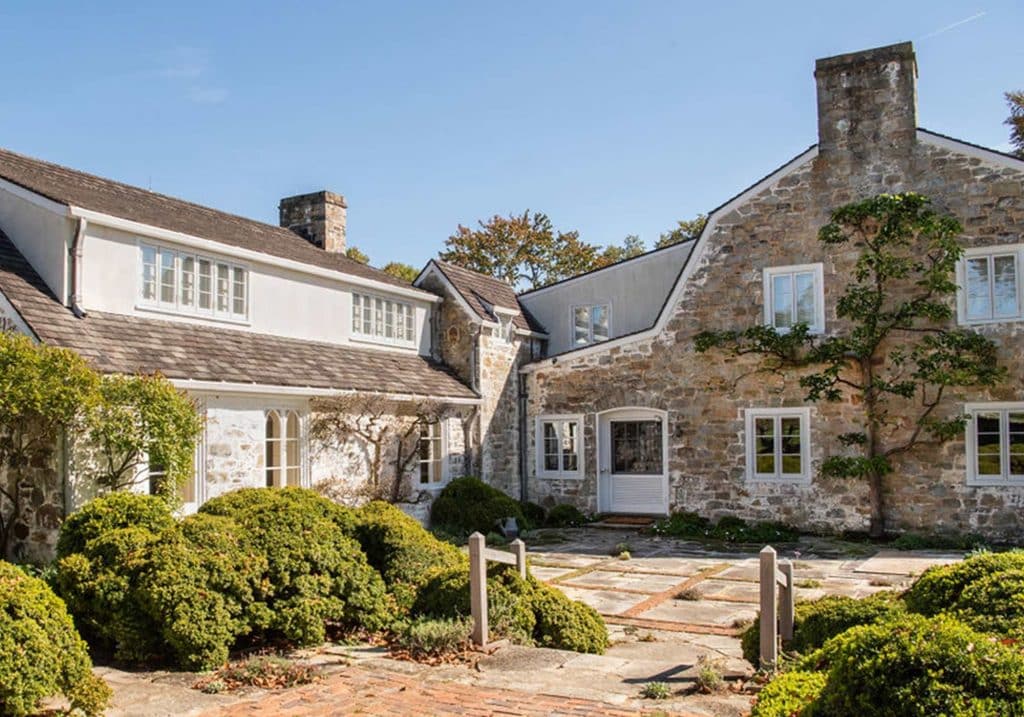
(628, 413)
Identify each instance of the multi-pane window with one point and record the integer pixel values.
(637, 447)
(558, 446)
(283, 449)
(431, 469)
(190, 284)
(383, 319)
(778, 444)
(991, 285)
(590, 324)
(794, 295)
(995, 443)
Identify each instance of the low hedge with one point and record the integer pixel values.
(994, 604)
(729, 529)
(41, 654)
(914, 665)
(816, 621)
(406, 555)
(565, 516)
(789, 694)
(112, 511)
(469, 505)
(938, 589)
(246, 499)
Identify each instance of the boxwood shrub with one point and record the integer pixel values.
(938, 589)
(789, 694)
(994, 603)
(914, 665)
(816, 621)
(41, 654)
(565, 516)
(112, 511)
(469, 505)
(240, 501)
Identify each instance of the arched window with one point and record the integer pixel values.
(284, 454)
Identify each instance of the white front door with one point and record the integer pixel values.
(632, 461)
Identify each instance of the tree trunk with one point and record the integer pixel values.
(876, 524)
(876, 528)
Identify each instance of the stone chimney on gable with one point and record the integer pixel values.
(867, 105)
(319, 218)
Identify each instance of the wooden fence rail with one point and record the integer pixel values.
(479, 554)
(777, 598)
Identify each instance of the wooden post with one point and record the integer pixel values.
(519, 550)
(786, 600)
(478, 587)
(769, 618)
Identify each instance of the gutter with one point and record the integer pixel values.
(76, 268)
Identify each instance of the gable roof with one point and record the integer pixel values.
(80, 189)
(115, 343)
(482, 292)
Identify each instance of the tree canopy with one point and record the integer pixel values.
(405, 272)
(894, 351)
(685, 230)
(1016, 121)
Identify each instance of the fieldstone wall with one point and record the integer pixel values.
(35, 515)
(500, 359)
(705, 394)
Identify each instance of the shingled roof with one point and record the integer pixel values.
(482, 291)
(75, 188)
(116, 343)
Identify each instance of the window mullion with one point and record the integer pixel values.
(777, 430)
(1004, 443)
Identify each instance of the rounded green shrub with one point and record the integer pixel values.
(41, 654)
(109, 512)
(533, 514)
(244, 499)
(201, 589)
(567, 624)
(405, 554)
(994, 603)
(816, 621)
(470, 505)
(914, 665)
(314, 574)
(788, 694)
(565, 516)
(939, 588)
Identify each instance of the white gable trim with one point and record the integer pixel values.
(29, 196)
(433, 268)
(261, 389)
(692, 264)
(971, 150)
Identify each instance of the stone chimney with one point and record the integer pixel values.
(319, 218)
(867, 105)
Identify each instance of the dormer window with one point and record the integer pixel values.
(590, 324)
(186, 283)
(375, 318)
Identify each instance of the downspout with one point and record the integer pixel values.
(524, 492)
(76, 269)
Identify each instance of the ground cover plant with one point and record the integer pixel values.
(283, 567)
(951, 645)
(728, 529)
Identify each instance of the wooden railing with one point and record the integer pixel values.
(777, 593)
(479, 554)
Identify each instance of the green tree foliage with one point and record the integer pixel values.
(143, 422)
(894, 351)
(630, 247)
(685, 230)
(405, 272)
(1016, 121)
(355, 254)
(43, 390)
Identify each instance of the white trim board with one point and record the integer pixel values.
(692, 264)
(261, 389)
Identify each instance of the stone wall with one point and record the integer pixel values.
(35, 515)
(500, 359)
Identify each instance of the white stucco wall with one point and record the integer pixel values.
(635, 291)
(41, 235)
(282, 302)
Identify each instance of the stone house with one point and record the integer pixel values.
(586, 391)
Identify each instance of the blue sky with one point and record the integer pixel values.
(612, 117)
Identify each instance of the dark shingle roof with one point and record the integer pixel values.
(115, 343)
(71, 187)
(480, 290)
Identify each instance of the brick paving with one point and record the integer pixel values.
(357, 691)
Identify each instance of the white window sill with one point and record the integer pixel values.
(995, 482)
(167, 311)
(988, 322)
(795, 480)
(390, 343)
(577, 475)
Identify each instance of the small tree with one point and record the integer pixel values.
(43, 391)
(685, 230)
(405, 272)
(1016, 121)
(893, 350)
(388, 432)
(141, 423)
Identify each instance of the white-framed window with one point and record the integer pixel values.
(431, 464)
(185, 283)
(284, 454)
(778, 444)
(590, 324)
(558, 445)
(795, 295)
(386, 320)
(990, 284)
(995, 443)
